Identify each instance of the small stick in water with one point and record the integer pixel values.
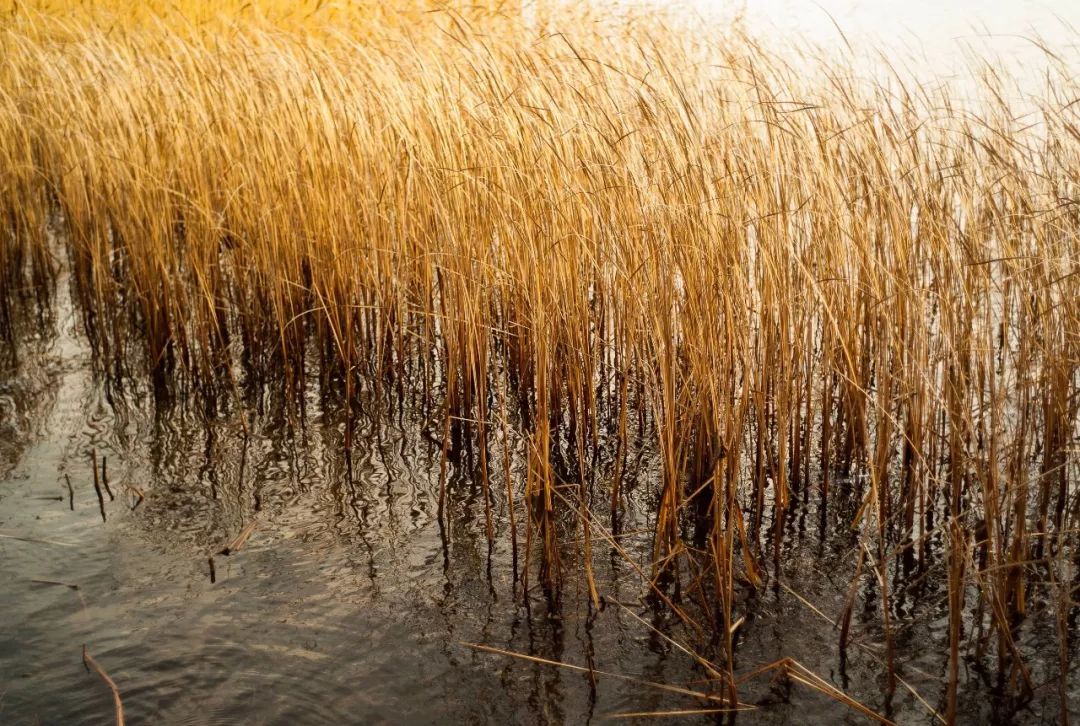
(105, 478)
(241, 538)
(89, 662)
(55, 582)
(74, 588)
(32, 539)
(71, 492)
(213, 572)
(97, 484)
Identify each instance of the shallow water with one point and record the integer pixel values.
(349, 603)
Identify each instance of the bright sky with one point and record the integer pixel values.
(934, 29)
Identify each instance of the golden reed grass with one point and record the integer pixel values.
(793, 278)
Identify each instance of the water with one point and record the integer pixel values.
(345, 604)
(349, 603)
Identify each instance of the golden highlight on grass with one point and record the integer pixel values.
(590, 226)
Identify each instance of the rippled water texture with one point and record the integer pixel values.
(344, 605)
(349, 603)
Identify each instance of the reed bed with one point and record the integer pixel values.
(585, 226)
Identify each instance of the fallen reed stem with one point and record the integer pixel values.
(35, 540)
(90, 663)
(238, 542)
(618, 676)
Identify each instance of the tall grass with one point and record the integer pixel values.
(798, 281)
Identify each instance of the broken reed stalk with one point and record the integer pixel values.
(57, 583)
(238, 542)
(71, 586)
(607, 674)
(649, 236)
(675, 712)
(90, 663)
(35, 540)
(786, 667)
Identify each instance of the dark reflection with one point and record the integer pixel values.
(356, 598)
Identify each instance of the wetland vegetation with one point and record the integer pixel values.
(696, 344)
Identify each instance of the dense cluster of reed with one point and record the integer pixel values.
(793, 278)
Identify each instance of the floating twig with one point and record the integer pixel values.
(38, 541)
(55, 582)
(213, 572)
(677, 712)
(237, 544)
(89, 662)
(71, 492)
(712, 669)
(797, 672)
(582, 669)
(74, 588)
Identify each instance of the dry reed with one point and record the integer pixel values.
(118, 704)
(796, 281)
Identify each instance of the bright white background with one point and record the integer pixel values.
(930, 33)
